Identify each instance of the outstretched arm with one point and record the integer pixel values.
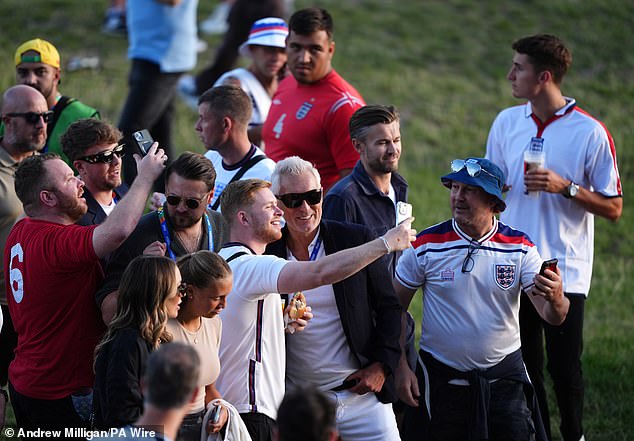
(298, 276)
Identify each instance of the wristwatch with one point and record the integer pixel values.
(571, 190)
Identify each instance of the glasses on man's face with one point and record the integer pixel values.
(472, 166)
(105, 157)
(190, 203)
(182, 289)
(33, 117)
(294, 200)
(467, 265)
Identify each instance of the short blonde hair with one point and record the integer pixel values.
(238, 195)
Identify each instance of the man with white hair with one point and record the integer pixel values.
(351, 346)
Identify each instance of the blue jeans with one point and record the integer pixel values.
(149, 105)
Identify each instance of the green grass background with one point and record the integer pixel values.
(443, 63)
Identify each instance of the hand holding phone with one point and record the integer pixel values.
(550, 264)
(144, 140)
(403, 211)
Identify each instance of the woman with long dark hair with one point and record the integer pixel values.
(149, 294)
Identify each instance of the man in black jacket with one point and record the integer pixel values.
(93, 148)
(350, 347)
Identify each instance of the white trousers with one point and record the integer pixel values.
(363, 417)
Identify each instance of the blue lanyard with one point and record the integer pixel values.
(313, 254)
(168, 240)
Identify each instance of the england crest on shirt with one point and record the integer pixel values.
(303, 110)
(505, 275)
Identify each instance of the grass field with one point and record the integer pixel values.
(443, 63)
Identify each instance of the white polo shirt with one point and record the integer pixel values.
(470, 320)
(580, 149)
(252, 349)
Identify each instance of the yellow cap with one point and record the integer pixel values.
(46, 53)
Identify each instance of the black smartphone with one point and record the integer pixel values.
(143, 140)
(550, 264)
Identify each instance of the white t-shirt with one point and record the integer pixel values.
(224, 173)
(580, 149)
(319, 355)
(470, 320)
(259, 96)
(252, 351)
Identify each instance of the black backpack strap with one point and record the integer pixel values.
(57, 111)
(236, 255)
(245, 168)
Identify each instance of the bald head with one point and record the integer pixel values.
(24, 113)
(22, 98)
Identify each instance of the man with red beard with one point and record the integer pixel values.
(93, 147)
(24, 114)
(181, 226)
(54, 270)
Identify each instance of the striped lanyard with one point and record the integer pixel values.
(168, 240)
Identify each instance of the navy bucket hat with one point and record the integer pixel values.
(478, 172)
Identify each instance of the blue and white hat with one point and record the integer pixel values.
(479, 172)
(270, 31)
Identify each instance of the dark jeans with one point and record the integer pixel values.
(260, 426)
(190, 427)
(33, 414)
(508, 418)
(241, 17)
(8, 342)
(564, 346)
(150, 105)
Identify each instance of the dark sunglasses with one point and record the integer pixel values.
(472, 166)
(294, 200)
(182, 289)
(34, 117)
(104, 157)
(190, 203)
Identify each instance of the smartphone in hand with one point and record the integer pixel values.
(550, 264)
(403, 211)
(144, 140)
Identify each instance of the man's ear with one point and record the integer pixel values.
(243, 217)
(79, 166)
(545, 76)
(357, 145)
(48, 198)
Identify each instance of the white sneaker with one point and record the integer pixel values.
(216, 23)
(186, 89)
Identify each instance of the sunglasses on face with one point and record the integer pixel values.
(294, 200)
(104, 157)
(190, 203)
(472, 166)
(34, 117)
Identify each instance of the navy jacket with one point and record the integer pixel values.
(370, 311)
(356, 199)
(95, 214)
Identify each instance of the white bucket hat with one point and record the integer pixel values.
(270, 31)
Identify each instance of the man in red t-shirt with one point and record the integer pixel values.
(53, 270)
(311, 109)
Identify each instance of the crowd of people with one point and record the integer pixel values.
(264, 295)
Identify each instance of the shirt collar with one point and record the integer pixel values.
(570, 103)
